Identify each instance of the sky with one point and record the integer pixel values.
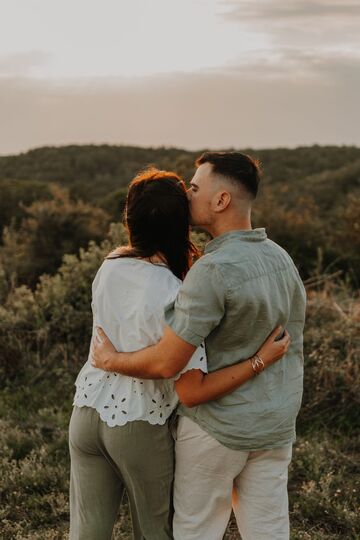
(188, 73)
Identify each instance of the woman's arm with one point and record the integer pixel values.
(195, 387)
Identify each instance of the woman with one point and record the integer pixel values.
(119, 436)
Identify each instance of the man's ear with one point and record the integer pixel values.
(222, 200)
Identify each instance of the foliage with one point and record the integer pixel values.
(297, 229)
(111, 167)
(310, 204)
(44, 340)
(114, 203)
(57, 314)
(309, 199)
(17, 194)
(89, 171)
(347, 235)
(50, 229)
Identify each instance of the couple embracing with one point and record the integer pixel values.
(224, 337)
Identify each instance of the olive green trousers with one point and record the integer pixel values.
(137, 457)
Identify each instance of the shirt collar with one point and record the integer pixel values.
(253, 235)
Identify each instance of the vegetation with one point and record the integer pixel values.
(48, 230)
(309, 199)
(52, 247)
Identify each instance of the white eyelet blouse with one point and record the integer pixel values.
(128, 300)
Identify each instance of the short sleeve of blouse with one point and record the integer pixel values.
(197, 361)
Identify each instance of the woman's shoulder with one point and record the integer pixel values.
(138, 272)
(118, 252)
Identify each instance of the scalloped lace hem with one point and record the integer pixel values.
(112, 422)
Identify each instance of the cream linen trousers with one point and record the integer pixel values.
(211, 478)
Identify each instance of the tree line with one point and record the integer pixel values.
(55, 200)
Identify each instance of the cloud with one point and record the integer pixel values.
(304, 24)
(322, 67)
(22, 64)
(295, 9)
(303, 38)
(234, 108)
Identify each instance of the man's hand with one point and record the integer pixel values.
(102, 351)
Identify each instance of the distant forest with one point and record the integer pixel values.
(54, 200)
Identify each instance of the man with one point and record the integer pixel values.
(234, 451)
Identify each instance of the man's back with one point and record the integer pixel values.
(249, 285)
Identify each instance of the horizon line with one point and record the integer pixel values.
(180, 148)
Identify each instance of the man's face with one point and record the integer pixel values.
(200, 195)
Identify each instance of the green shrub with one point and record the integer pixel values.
(51, 229)
(55, 319)
(44, 339)
(332, 353)
(298, 229)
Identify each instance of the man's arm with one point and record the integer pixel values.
(161, 361)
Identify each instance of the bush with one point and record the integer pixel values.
(347, 236)
(35, 326)
(44, 338)
(332, 352)
(51, 229)
(298, 230)
(16, 195)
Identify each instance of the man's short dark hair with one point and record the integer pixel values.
(235, 166)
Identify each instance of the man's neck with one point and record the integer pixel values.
(232, 225)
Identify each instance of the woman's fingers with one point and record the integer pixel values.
(274, 348)
(97, 339)
(100, 333)
(279, 335)
(100, 336)
(276, 333)
(285, 341)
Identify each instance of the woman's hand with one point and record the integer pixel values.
(273, 349)
(102, 350)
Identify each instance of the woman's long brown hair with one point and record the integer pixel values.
(157, 219)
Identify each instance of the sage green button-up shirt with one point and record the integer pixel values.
(233, 297)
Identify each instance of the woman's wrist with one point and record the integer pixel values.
(257, 363)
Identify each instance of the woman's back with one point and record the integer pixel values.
(128, 300)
